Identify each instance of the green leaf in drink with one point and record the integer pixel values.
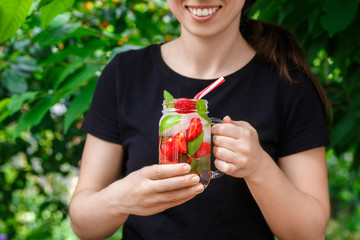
(169, 121)
(168, 96)
(195, 144)
(201, 110)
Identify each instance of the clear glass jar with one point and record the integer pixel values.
(185, 136)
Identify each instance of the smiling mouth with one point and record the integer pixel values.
(203, 12)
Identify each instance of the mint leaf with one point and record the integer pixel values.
(167, 95)
(169, 121)
(168, 99)
(201, 110)
(194, 145)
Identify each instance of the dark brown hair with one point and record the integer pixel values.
(276, 46)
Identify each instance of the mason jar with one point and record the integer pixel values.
(185, 136)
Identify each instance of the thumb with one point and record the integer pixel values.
(227, 119)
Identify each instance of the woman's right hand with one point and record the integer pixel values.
(156, 188)
(102, 202)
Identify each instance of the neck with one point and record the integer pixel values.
(207, 57)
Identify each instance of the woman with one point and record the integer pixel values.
(271, 145)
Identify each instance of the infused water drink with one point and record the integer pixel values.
(185, 136)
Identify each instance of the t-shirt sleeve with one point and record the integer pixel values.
(304, 123)
(102, 117)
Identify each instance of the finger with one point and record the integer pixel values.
(175, 183)
(225, 167)
(166, 170)
(232, 130)
(227, 119)
(240, 145)
(224, 129)
(178, 196)
(245, 124)
(225, 155)
(222, 141)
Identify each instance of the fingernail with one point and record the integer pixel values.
(195, 179)
(199, 188)
(187, 167)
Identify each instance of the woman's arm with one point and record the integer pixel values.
(102, 202)
(90, 209)
(293, 196)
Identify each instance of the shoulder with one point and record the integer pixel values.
(132, 53)
(268, 72)
(303, 87)
(132, 60)
(301, 93)
(269, 75)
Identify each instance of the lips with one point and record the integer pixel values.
(204, 11)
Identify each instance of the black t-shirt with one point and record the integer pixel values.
(126, 109)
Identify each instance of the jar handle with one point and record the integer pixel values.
(216, 173)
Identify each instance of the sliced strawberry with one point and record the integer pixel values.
(185, 105)
(167, 152)
(204, 150)
(180, 142)
(194, 130)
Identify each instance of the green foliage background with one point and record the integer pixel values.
(51, 55)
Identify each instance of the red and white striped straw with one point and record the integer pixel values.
(209, 88)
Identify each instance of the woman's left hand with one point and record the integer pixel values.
(237, 149)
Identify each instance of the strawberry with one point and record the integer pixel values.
(185, 105)
(204, 150)
(194, 130)
(167, 152)
(180, 142)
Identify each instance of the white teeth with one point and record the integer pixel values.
(200, 12)
(205, 12)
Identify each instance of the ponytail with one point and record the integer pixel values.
(277, 47)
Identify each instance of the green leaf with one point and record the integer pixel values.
(43, 3)
(79, 104)
(57, 34)
(343, 128)
(195, 144)
(17, 100)
(12, 15)
(61, 73)
(84, 32)
(169, 121)
(202, 110)
(84, 74)
(167, 95)
(338, 15)
(14, 82)
(75, 50)
(51, 10)
(35, 115)
(4, 111)
(25, 65)
(60, 19)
